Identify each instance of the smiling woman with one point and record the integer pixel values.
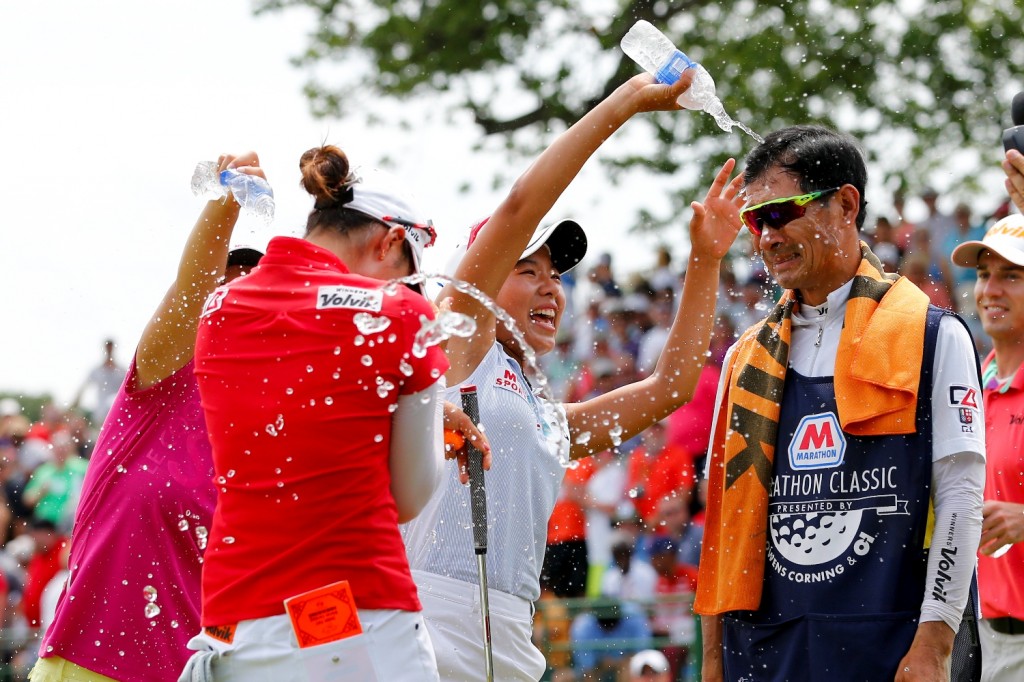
(520, 266)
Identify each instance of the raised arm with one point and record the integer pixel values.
(168, 341)
(634, 407)
(492, 256)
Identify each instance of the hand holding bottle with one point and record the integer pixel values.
(656, 54)
(240, 176)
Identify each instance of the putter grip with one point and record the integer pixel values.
(477, 493)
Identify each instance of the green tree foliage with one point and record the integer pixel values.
(925, 84)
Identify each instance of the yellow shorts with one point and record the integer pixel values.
(57, 669)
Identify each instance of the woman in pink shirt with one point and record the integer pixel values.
(131, 602)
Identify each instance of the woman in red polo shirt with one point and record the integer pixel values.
(325, 421)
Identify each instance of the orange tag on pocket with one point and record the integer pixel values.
(324, 615)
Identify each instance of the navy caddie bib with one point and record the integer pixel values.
(846, 558)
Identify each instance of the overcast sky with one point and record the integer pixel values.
(107, 107)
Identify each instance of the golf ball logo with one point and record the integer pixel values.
(815, 538)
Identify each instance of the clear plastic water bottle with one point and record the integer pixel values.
(656, 55)
(252, 192)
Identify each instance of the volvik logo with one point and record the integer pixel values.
(819, 443)
(354, 298)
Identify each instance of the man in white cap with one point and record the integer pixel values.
(999, 293)
(649, 665)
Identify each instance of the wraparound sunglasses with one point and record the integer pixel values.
(777, 213)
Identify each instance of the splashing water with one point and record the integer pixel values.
(370, 324)
(552, 410)
(702, 93)
(446, 325)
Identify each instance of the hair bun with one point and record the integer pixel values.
(326, 174)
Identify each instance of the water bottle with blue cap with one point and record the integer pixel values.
(252, 192)
(655, 53)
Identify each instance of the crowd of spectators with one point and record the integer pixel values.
(42, 467)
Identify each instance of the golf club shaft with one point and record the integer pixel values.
(485, 616)
(478, 510)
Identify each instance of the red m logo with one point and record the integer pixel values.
(818, 436)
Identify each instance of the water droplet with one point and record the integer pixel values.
(229, 540)
(221, 480)
(277, 426)
(337, 350)
(328, 400)
(49, 649)
(174, 624)
(583, 438)
(378, 438)
(289, 390)
(201, 536)
(182, 525)
(152, 611)
(149, 592)
(616, 435)
(231, 473)
(358, 340)
(309, 369)
(405, 368)
(366, 360)
(392, 338)
(385, 388)
(370, 324)
(392, 407)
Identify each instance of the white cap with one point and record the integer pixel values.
(1005, 238)
(651, 658)
(565, 239)
(9, 407)
(377, 195)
